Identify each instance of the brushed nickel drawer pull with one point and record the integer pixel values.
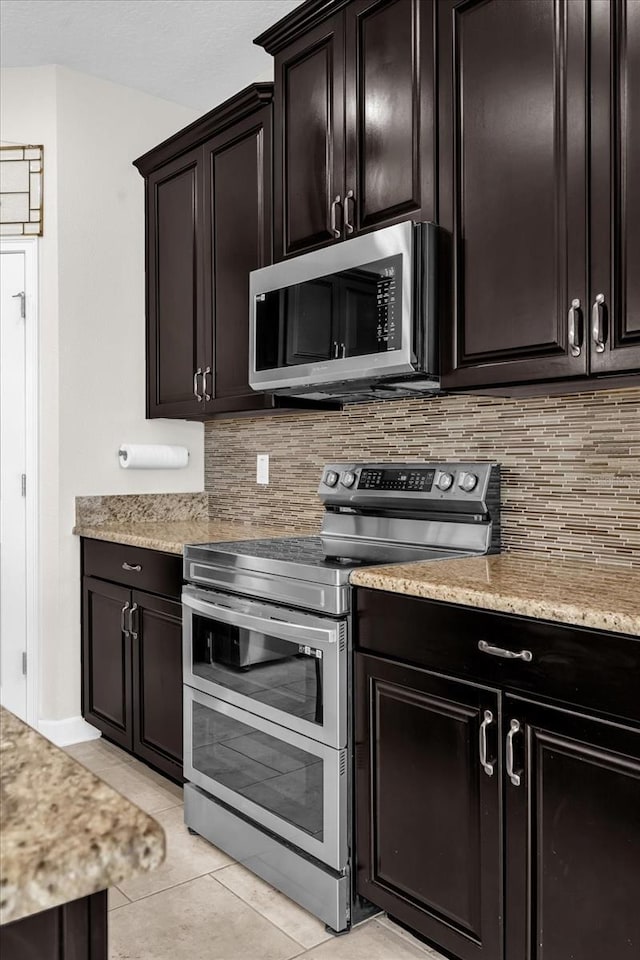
(348, 223)
(485, 647)
(123, 613)
(334, 207)
(133, 567)
(575, 328)
(207, 372)
(486, 766)
(133, 630)
(199, 397)
(597, 323)
(514, 728)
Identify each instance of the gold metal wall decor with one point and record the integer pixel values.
(21, 169)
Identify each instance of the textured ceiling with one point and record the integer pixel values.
(195, 52)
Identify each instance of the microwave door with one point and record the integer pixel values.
(339, 314)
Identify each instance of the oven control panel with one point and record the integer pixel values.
(453, 486)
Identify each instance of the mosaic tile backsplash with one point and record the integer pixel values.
(570, 465)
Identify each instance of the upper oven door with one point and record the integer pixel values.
(338, 314)
(288, 667)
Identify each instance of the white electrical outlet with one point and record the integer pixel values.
(262, 468)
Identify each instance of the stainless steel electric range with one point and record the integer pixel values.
(267, 668)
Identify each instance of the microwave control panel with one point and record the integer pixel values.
(388, 274)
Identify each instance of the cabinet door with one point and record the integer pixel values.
(309, 139)
(615, 185)
(106, 660)
(428, 815)
(76, 930)
(513, 134)
(390, 159)
(238, 239)
(573, 837)
(174, 286)
(157, 682)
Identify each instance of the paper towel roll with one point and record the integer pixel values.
(152, 456)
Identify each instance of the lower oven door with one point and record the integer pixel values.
(280, 664)
(292, 786)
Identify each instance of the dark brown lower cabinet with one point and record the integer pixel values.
(157, 681)
(572, 837)
(106, 660)
(73, 931)
(429, 849)
(132, 652)
(557, 816)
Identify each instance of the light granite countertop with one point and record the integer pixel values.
(566, 591)
(64, 833)
(170, 536)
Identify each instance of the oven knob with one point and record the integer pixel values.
(468, 482)
(444, 481)
(348, 479)
(331, 478)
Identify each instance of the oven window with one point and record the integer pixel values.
(351, 313)
(282, 778)
(264, 668)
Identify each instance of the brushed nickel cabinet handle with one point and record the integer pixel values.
(334, 207)
(486, 766)
(132, 631)
(348, 223)
(336, 349)
(196, 393)
(134, 567)
(485, 647)
(575, 328)
(123, 614)
(344, 351)
(207, 372)
(598, 334)
(514, 728)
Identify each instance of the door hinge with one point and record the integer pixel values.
(23, 484)
(24, 662)
(23, 309)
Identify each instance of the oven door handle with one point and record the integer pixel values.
(278, 628)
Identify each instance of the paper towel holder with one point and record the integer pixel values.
(125, 455)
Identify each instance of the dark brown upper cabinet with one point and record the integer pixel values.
(540, 251)
(614, 321)
(174, 285)
(513, 184)
(208, 225)
(354, 119)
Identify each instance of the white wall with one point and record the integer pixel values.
(92, 326)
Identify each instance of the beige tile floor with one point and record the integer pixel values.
(200, 905)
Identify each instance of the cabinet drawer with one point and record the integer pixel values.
(134, 567)
(572, 665)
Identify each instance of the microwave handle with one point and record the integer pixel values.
(279, 628)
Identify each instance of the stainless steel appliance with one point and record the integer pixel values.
(352, 322)
(267, 668)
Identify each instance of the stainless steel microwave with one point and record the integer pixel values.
(353, 321)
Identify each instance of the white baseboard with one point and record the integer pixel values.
(68, 731)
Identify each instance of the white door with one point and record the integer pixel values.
(13, 566)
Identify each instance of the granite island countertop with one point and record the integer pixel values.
(603, 597)
(170, 536)
(64, 833)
